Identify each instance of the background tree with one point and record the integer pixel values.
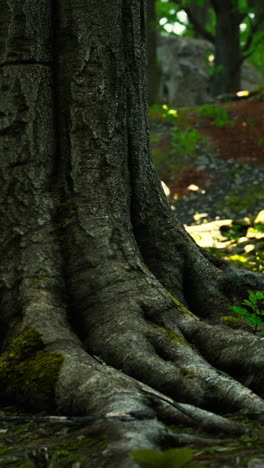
(89, 244)
(234, 27)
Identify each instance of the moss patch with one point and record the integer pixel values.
(180, 307)
(237, 201)
(231, 322)
(28, 373)
(173, 336)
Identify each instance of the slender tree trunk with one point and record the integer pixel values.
(89, 244)
(201, 13)
(226, 78)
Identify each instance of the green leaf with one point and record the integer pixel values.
(146, 458)
(259, 295)
(252, 297)
(255, 320)
(248, 303)
(173, 458)
(239, 310)
(176, 458)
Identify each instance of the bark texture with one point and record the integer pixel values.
(153, 69)
(97, 276)
(228, 58)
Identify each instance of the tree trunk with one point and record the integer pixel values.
(89, 244)
(226, 78)
(201, 14)
(153, 71)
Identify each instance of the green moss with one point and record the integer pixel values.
(179, 305)
(179, 428)
(231, 322)
(237, 201)
(80, 443)
(28, 371)
(3, 450)
(184, 371)
(84, 448)
(173, 336)
(63, 458)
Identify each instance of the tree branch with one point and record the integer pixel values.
(198, 27)
(254, 27)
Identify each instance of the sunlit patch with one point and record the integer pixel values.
(249, 248)
(173, 112)
(165, 188)
(199, 216)
(193, 187)
(244, 124)
(243, 93)
(238, 258)
(211, 58)
(164, 106)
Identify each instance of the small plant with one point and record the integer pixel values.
(259, 227)
(254, 313)
(218, 113)
(173, 458)
(235, 232)
(185, 140)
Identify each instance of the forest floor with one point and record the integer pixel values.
(217, 189)
(215, 182)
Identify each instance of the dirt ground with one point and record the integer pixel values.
(244, 141)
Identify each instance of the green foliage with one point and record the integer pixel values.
(257, 56)
(234, 232)
(254, 313)
(251, 32)
(186, 140)
(215, 69)
(259, 227)
(166, 10)
(217, 113)
(173, 458)
(260, 142)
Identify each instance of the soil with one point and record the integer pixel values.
(224, 175)
(243, 141)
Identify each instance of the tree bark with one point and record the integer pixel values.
(153, 71)
(228, 60)
(107, 304)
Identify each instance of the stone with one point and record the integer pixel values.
(184, 69)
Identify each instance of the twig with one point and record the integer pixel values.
(71, 420)
(178, 406)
